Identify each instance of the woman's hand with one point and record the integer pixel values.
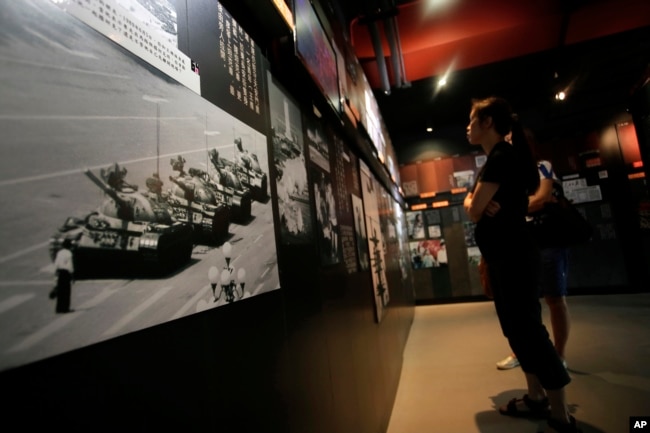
(476, 203)
(467, 203)
(492, 208)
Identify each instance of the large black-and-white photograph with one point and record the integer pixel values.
(128, 200)
(290, 166)
(327, 220)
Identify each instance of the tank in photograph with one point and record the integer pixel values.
(130, 230)
(194, 202)
(246, 167)
(227, 187)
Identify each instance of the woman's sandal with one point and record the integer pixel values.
(535, 409)
(561, 427)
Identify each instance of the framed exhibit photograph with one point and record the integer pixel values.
(316, 51)
(290, 166)
(415, 224)
(428, 254)
(360, 232)
(327, 229)
(434, 231)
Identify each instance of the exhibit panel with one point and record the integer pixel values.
(231, 65)
(290, 161)
(445, 258)
(376, 240)
(160, 194)
(325, 206)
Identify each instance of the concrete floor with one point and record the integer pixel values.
(450, 384)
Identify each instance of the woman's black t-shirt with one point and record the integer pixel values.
(506, 231)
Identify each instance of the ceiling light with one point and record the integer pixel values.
(560, 96)
(429, 129)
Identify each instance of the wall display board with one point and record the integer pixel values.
(290, 166)
(315, 49)
(440, 175)
(231, 65)
(428, 253)
(389, 228)
(354, 98)
(158, 190)
(149, 30)
(402, 238)
(373, 123)
(346, 182)
(415, 224)
(473, 253)
(328, 231)
(427, 246)
(376, 241)
(360, 232)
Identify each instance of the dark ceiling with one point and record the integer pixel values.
(522, 50)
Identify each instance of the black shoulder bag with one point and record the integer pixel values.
(559, 223)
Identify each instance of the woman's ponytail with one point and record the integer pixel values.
(522, 146)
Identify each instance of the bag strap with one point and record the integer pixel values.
(547, 174)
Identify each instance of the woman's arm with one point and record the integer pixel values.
(480, 202)
(541, 196)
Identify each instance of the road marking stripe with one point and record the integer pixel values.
(136, 312)
(102, 296)
(43, 333)
(87, 55)
(14, 301)
(79, 117)
(11, 182)
(23, 252)
(60, 322)
(191, 304)
(257, 290)
(63, 68)
(27, 283)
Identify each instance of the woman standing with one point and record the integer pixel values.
(498, 205)
(553, 279)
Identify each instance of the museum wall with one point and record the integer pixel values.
(285, 303)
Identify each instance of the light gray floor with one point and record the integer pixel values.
(450, 384)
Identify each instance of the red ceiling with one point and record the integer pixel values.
(471, 33)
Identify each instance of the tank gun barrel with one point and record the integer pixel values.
(107, 189)
(196, 172)
(186, 189)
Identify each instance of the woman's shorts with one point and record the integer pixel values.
(554, 272)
